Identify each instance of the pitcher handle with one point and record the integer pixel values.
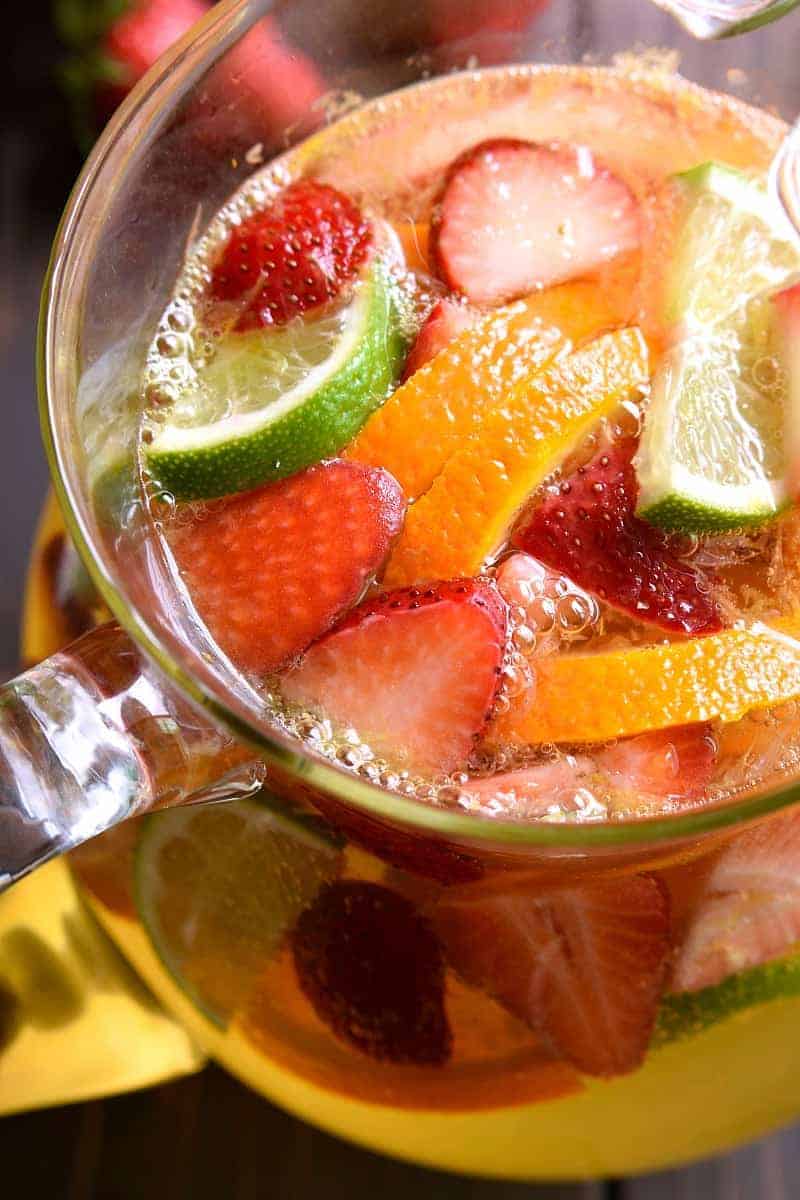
(95, 734)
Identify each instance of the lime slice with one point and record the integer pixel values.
(271, 402)
(712, 454)
(217, 886)
(733, 242)
(684, 1014)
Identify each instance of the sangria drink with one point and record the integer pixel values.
(470, 439)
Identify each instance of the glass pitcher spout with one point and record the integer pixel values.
(711, 19)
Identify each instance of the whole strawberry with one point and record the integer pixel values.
(112, 44)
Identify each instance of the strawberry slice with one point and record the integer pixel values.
(586, 529)
(271, 570)
(672, 763)
(514, 216)
(750, 911)
(584, 966)
(551, 605)
(546, 790)
(415, 672)
(446, 320)
(293, 256)
(373, 971)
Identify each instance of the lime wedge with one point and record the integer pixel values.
(217, 886)
(712, 453)
(684, 1014)
(270, 402)
(733, 242)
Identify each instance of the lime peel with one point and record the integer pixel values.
(312, 420)
(685, 1014)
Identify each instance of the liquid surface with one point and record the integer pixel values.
(391, 160)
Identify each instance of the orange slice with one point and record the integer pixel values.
(431, 416)
(595, 697)
(413, 237)
(466, 513)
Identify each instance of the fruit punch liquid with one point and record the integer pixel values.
(469, 436)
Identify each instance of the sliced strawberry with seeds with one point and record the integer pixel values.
(668, 763)
(446, 320)
(272, 569)
(293, 256)
(373, 971)
(415, 672)
(586, 528)
(584, 966)
(750, 912)
(515, 216)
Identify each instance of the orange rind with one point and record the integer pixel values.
(434, 414)
(465, 515)
(597, 697)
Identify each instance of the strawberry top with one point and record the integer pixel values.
(293, 256)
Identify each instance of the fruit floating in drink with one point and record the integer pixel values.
(472, 443)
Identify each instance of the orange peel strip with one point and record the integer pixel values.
(466, 513)
(414, 237)
(596, 697)
(431, 416)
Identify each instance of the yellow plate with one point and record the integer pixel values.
(75, 1021)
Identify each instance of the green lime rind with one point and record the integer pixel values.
(686, 1014)
(313, 421)
(245, 871)
(712, 456)
(679, 514)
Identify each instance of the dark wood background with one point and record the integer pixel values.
(207, 1136)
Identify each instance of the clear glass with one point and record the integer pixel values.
(165, 720)
(155, 176)
(725, 18)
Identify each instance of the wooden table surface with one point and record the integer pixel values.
(207, 1136)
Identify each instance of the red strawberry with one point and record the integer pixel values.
(515, 216)
(464, 27)
(750, 911)
(263, 84)
(271, 570)
(446, 320)
(667, 763)
(113, 43)
(584, 965)
(114, 46)
(531, 792)
(586, 528)
(145, 31)
(415, 672)
(294, 255)
(373, 970)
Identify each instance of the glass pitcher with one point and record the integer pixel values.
(361, 958)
